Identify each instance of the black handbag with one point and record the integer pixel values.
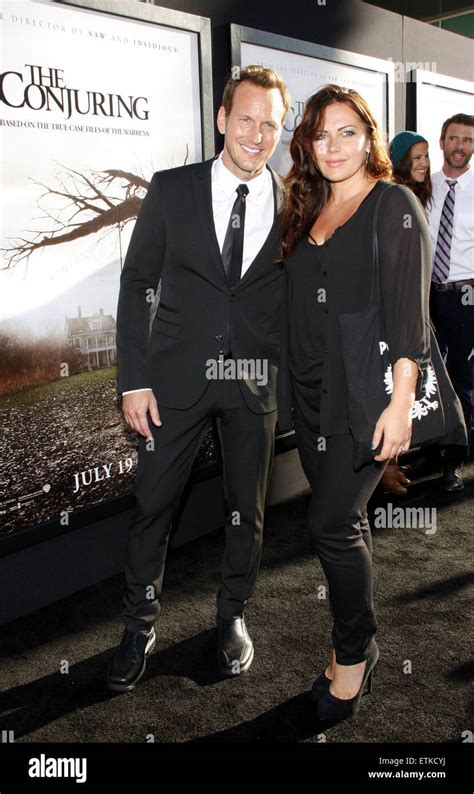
(436, 414)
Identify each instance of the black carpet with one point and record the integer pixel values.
(53, 665)
(53, 662)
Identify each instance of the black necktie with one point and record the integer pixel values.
(233, 247)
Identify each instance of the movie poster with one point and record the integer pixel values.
(91, 105)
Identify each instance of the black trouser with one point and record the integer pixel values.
(247, 441)
(453, 319)
(340, 531)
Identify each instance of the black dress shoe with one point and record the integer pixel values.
(452, 479)
(235, 651)
(129, 661)
(334, 709)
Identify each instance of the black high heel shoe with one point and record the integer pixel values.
(331, 708)
(320, 686)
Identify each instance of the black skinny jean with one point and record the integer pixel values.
(340, 531)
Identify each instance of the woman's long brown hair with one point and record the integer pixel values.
(307, 189)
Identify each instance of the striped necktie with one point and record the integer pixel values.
(442, 256)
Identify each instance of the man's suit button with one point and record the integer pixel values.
(232, 297)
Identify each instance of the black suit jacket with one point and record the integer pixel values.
(174, 240)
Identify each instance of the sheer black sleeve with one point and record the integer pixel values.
(405, 274)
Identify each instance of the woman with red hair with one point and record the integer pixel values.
(340, 168)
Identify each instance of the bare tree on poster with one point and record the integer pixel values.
(89, 207)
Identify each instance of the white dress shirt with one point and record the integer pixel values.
(462, 244)
(259, 211)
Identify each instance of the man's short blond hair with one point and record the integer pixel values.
(257, 75)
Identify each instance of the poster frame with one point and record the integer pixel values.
(421, 77)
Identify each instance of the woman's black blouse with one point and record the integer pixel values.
(323, 281)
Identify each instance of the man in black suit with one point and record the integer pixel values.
(210, 233)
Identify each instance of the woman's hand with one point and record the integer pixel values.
(395, 425)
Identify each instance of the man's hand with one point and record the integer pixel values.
(135, 407)
(394, 479)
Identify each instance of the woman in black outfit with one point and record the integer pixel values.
(340, 166)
